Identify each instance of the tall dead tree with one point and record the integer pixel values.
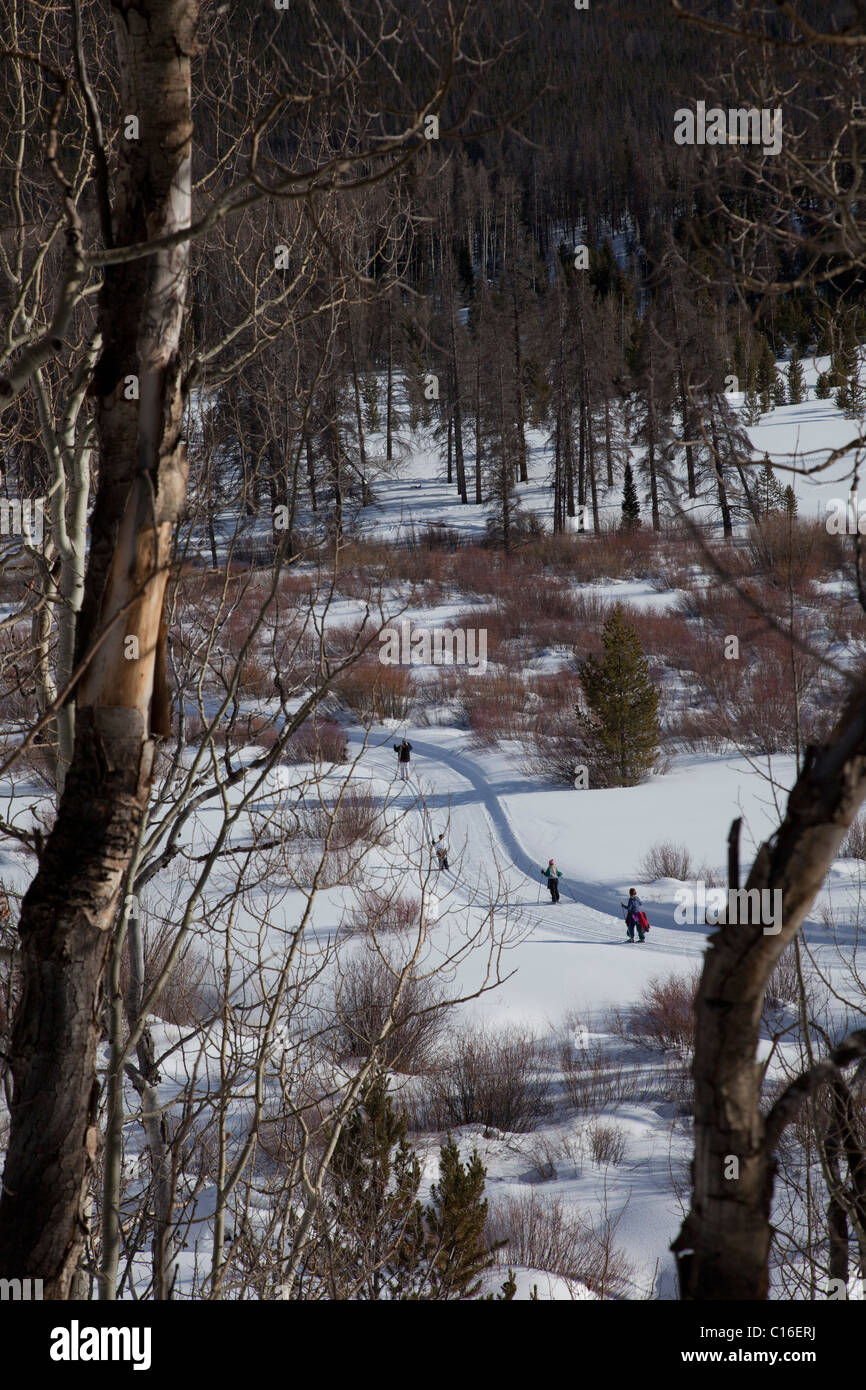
(724, 1244)
(121, 709)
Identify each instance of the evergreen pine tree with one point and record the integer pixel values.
(780, 395)
(370, 392)
(751, 407)
(770, 493)
(622, 728)
(455, 1221)
(789, 500)
(842, 399)
(630, 503)
(376, 1240)
(375, 1232)
(822, 386)
(796, 379)
(509, 1289)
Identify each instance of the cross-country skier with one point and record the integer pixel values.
(632, 921)
(403, 751)
(440, 849)
(553, 875)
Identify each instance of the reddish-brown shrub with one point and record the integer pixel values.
(845, 620)
(664, 1015)
(477, 571)
(541, 1231)
(785, 550)
(383, 912)
(503, 638)
(854, 844)
(375, 691)
(594, 1076)
(695, 730)
(666, 860)
(255, 678)
(606, 1143)
(364, 998)
(492, 704)
(258, 729)
(552, 692)
(753, 698)
(666, 635)
(318, 740)
(356, 817)
(485, 1078)
(722, 610)
(186, 996)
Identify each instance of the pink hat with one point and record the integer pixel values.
(550, 861)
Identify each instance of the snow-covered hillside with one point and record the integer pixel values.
(571, 984)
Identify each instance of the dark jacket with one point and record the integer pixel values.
(403, 750)
(633, 907)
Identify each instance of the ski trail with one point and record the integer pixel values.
(583, 916)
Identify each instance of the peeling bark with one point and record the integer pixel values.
(69, 910)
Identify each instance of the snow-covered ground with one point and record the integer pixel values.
(566, 966)
(799, 440)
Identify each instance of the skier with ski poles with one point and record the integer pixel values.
(403, 749)
(440, 849)
(634, 917)
(553, 875)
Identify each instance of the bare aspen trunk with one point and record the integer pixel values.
(311, 470)
(654, 490)
(359, 417)
(506, 473)
(389, 394)
(68, 913)
(569, 468)
(145, 1078)
(558, 500)
(590, 465)
(40, 639)
(221, 1200)
(608, 451)
(73, 559)
(581, 456)
(559, 454)
(727, 527)
(687, 416)
(686, 412)
(723, 1246)
(458, 418)
(519, 393)
(479, 497)
(69, 450)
